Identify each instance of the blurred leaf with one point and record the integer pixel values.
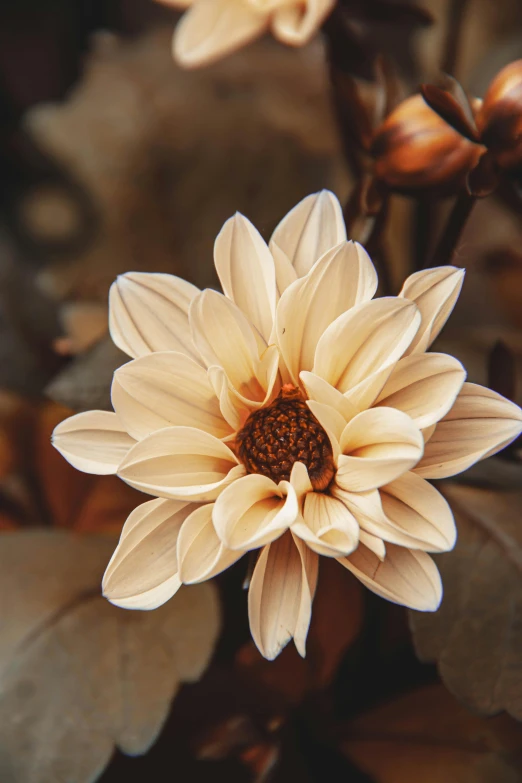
(427, 737)
(78, 675)
(476, 635)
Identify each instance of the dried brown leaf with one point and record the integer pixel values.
(476, 636)
(79, 676)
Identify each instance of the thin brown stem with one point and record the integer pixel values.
(452, 231)
(457, 12)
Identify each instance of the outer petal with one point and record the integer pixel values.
(254, 511)
(180, 463)
(201, 554)
(406, 576)
(342, 278)
(363, 341)
(293, 26)
(435, 292)
(285, 272)
(327, 526)
(480, 423)
(149, 312)
(424, 386)
(143, 571)
(416, 507)
(166, 389)
(246, 270)
(211, 29)
(379, 445)
(95, 441)
(311, 228)
(280, 596)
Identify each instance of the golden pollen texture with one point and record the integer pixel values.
(284, 432)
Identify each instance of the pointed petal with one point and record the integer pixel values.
(321, 391)
(300, 480)
(480, 423)
(246, 271)
(425, 386)
(293, 25)
(211, 29)
(327, 526)
(280, 596)
(342, 278)
(417, 508)
(149, 312)
(311, 228)
(331, 421)
(94, 441)
(367, 338)
(254, 511)
(200, 553)
(143, 571)
(166, 389)
(373, 543)
(180, 463)
(405, 577)
(435, 292)
(378, 446)
(285, 272)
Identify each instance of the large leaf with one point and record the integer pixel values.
(79, 676)
(476, 636)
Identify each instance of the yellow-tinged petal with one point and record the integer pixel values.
(295, 25)
(211, 29)
(246, 271)
(149, 312)
(377, 447)
(342, 278)
(425, 386)
(435, 292)
(480, 423)
(280, 595)
(201, 554)
(369, 337)
(284, 271)
(373, 543)
(254, 511)
(181, 463)
(166, 389)
(143, 571)
(311, 228)
(94, 441)
(327, 526)
(405, 576)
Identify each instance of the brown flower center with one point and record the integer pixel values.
(284, 432)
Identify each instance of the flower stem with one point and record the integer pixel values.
(452, 231)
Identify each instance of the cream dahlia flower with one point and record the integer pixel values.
(293, 415)
(210, 29)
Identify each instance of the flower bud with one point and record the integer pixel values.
(500, 119)
(415, 149)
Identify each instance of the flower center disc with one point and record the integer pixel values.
(284, 432)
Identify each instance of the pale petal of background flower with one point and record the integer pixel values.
(295, 25)
(94, 441)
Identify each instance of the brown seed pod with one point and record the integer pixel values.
(414, 149)
(499, 120)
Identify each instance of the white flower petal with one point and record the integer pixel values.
(418, 509)
(280, 595)
(94, 441)
(254, 511)
(342, 278)
(295, 25)
(332, 423)
(405, 577)
(435, 292)
(246, 271)
(379, 445)
(166, 389)
(284, 271)
(480, 423)
(327, 526)
(143, 571)
(149, 312)
(311, 228)
(373, 543)
(424, 386)
(369, 337)
(179, 463)
(201, 555)
(321, 391)
(211, 29)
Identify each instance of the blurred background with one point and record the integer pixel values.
(114, 159)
